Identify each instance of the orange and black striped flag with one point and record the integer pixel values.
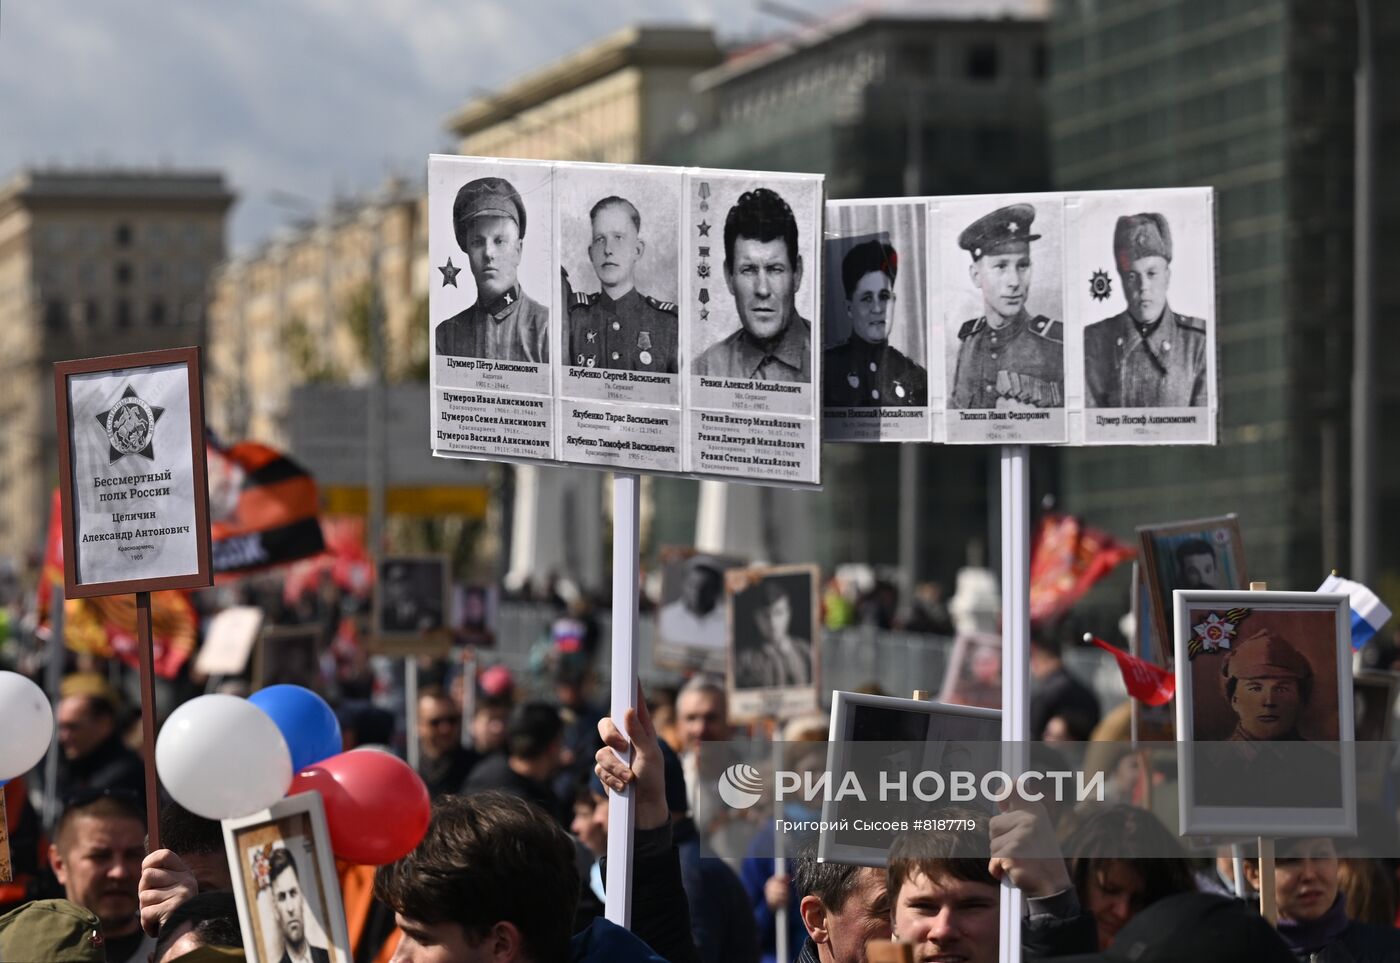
(262, 508)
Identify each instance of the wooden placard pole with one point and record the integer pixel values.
(6, 873)
(885, 952)
(145, 645)
(622, 811)
(1268, 901)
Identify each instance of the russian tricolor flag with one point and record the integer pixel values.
(1368, 613)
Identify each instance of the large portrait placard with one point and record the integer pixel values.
(774, 640)
(1264, 713)
(132, 476)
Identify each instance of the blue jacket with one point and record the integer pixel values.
(605, 942)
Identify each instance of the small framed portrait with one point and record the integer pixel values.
(973, 677)
(285, 884)
(1204, 553)
(774, 664)
(411, 607)
(1264, 713)
(133, 482)
(878, 737)
(692, 622)
(475, 614)
(288, 655)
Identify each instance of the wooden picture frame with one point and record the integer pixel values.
(114, 389)
(1288, 768)
(298, 825)
(421, 593)
(1158, 542)
(743, 592)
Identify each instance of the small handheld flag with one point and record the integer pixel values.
(1368, 612)
(1147, 683)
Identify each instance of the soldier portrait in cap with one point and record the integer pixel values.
(1008, 351)
(490, 219)
(757, 277)
(875, 315)
(1147, 355)
(1264, 689)
(621, 268)
(772, 613)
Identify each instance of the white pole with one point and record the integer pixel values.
(780, 868)
(1015, 642)
(622, 813)
(410, 685)
(1237, 861)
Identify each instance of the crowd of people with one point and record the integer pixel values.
(513, 866)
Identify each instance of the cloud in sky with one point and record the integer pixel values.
(310, 98)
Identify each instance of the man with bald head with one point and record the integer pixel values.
(1147, 356)
(505, 324)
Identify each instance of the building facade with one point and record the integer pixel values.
(1254, 97)
(91, 263)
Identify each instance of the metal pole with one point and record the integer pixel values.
(410, 686)
(622, 813)
(1015, 642)
(1363, 426)
(909, 453)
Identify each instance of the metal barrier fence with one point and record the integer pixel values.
(898, 662)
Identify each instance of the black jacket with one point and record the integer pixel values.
(660, 913)
(111, 765)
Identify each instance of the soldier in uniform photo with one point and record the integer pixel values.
(696, 617)
(619, 327)
(763, 271)
(505, 323)
(1006, 358)
(772, 659)
(1147, 356)
(866, 370)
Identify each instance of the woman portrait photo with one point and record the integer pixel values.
(866, 370)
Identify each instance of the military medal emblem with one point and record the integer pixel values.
(590, 336)
(1215, 632)
(898, 390)
(130, 426)
(644, 345)
(1100, 286)
(703, 270)
(853, 380)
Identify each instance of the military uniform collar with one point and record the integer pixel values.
(1165, 320)
(506, 303)
(788, 347)
(632, 294)
(1009, 330)
(862, 350)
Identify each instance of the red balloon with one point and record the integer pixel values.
(377, 807)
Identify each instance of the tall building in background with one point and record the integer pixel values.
(938, 97)
(92, 262)
(1254, 97)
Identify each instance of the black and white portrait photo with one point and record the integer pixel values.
(492, 284)
(618, 237)
(285, 884)
(875, 308)
(411, 597)
(1142, 285)
(693, 620)
(753, 254)
(773, 661)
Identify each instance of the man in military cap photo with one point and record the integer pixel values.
(1268, 683)
(1006, 357)
(505, 323)
(619, 327)
(763, 271)
(1147, 356)
(866, 370)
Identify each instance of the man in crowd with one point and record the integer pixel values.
(89, 734)
(504, 323)
(619, 327)
(1148, 356)
(844, 908)
(534, 755)
(1006, 357)
(763, 271)
(444, 764)
(289, 905)
(1055, 691)
(209, 919)
(702, 715)
(192, 862)
(96, 855)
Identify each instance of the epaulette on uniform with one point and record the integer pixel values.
(1191, 324)
(1047, 329)
(668, 306)
(582, 299)
(969, 328)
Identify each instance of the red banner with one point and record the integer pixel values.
(1145, 681)
(1067, 558)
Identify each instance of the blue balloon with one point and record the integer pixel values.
(306, 721)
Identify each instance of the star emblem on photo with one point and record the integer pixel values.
(449, 273)
(130, 425)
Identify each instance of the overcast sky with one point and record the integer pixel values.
(308, 97)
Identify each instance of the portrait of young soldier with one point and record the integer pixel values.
(866, 370)
(505, 323)
(1006, 357)
(618, 326)
(1147, 356)
(763, 271)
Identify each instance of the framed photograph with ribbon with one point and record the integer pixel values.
(1264, 713)
(133, 482)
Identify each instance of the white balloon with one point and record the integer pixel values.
(26, 719)
(222, 757)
